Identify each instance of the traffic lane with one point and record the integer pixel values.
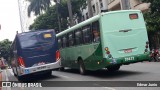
(128, 72)
(146, 71)
(134, 72)
(90, 88)
(42, 78)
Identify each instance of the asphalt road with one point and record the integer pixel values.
(146, 71)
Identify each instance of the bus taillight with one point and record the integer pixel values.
(108, 52)
(21, 61)
(57, 55)
(106, 49)
(146, 46)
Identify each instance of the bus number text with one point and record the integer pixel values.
(129, 58)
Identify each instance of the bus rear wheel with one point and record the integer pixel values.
(61, 68)
(113, 68)
(82, 67)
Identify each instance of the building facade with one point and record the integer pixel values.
(23, 13)
(113, 5)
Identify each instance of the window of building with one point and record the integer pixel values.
(93, 8)
(87, 16)
(101, 3)
(83, 18)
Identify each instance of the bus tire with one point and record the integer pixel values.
(14, 72)
(21, 78)
(81, 67)
(61, 68)
(48, 73)
(114, 68)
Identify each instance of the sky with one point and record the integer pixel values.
(9, 19)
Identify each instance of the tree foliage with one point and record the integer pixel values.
(48, 21)
(5, 48)
(49, 18)
(37, 6)
(152, 17)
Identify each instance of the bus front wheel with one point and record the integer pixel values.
(82, 67)
(113, 68)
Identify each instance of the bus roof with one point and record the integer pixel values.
(17, 35)
(90, 20)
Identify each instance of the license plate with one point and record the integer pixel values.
(41, 68)
(128, 50)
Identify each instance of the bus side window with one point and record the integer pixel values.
(86, 34)
(78, 37)
(67, 40)
(59, 43)
(96, 31)
(64, 41)
(71, 40)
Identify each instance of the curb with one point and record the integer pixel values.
(0, 80)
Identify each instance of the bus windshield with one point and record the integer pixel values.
(32, 39)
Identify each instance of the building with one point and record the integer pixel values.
(112, 5)
(25, 20)
(23, 11)
(127, 4)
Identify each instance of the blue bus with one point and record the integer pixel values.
(34, 52)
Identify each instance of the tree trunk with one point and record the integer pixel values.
(70, 12)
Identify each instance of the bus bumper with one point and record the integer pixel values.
(129, 59)
(41, 68)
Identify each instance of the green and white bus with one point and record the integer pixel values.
(122, 40)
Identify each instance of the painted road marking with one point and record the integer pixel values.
(108, 88)
(10, 70)
(65, 76)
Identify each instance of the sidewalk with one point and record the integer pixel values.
(0, 80)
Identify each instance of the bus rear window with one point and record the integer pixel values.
(31, 40)
(133, 16)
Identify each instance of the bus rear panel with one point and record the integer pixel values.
(35, 52)
(124, 38)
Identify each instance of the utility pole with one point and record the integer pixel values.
(70, 12)
(90, 12)
(58, 16)
(20, 16)
(125, 4)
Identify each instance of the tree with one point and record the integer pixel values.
(49, 18)
(37, 6)
(152, 18)
(5, 48)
